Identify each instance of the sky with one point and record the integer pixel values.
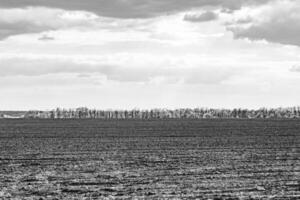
(124, 54)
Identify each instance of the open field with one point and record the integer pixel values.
(162, 159)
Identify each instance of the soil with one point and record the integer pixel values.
(154, 159)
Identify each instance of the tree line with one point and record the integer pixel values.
(184, 113)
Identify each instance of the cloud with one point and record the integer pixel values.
(129, 71)
(295, 68)
(277, 22)
(203, 17)
(43, 66)
(131, 8)
(34, 16)
(46, 38)
(37, 19)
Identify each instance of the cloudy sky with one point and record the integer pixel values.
(149, 53)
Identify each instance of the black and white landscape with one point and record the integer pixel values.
(150, 99)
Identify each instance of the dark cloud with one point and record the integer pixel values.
(130, 8)
(16, 21)
(203, 17)
(21, 27)
(35, 20)
(284, 32)
(279, 23)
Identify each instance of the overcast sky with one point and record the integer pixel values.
(149, 53)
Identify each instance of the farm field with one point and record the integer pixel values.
(155, 159)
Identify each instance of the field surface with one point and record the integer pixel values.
(162, 159)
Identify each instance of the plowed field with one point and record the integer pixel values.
(161, 159)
